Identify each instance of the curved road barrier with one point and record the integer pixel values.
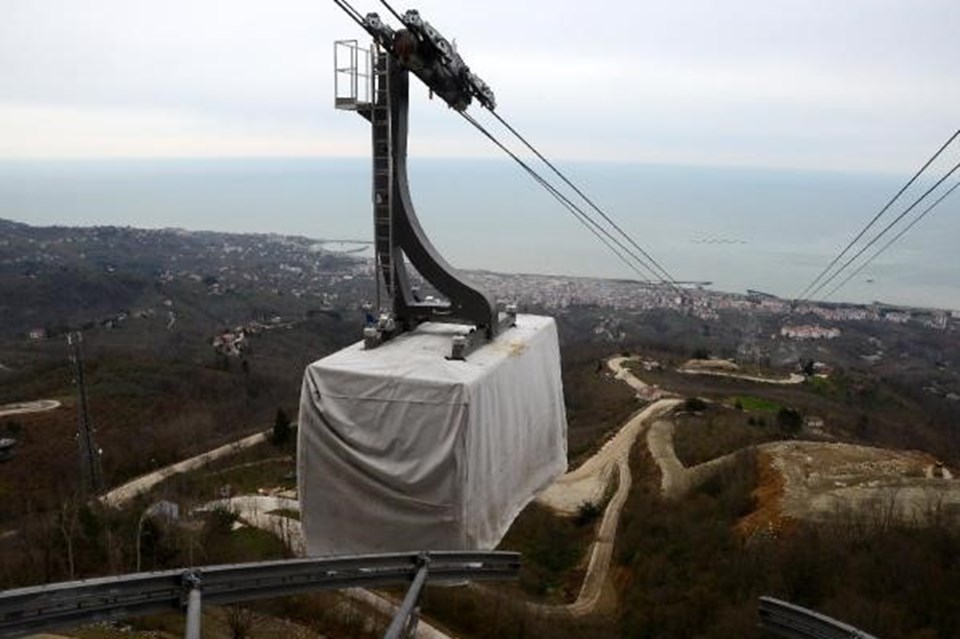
(35, 609)
(793, 622)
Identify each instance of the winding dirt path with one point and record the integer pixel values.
(21, 408)
(125, 493)
(588, 484)
(794, 378)
(676, 480)
(257, 511)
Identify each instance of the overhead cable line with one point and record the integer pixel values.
(392, 10)
(581, 217)
(894, 239)
(624, 234)
(350, 11)
(879, 235)
(601, 233)
(809, 291)
(637, 254)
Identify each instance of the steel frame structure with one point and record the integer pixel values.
(382, 98)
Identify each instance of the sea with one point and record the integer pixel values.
(736, 228)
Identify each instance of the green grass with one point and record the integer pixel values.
(758, 404)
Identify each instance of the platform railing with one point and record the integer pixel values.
(352, 76)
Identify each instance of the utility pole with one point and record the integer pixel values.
(91, 473)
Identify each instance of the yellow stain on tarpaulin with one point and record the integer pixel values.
(512, 349)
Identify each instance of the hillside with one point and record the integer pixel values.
(55, 278)
(193, 340)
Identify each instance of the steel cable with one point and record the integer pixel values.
(894, 239)
(578, 213)
(879, 235)
(666, 275)
(810, 287)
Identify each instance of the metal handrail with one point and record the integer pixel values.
(794, 622)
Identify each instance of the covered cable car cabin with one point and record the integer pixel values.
(436, 429)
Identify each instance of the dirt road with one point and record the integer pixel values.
(676, 480)
(20, 408)
(794, 378)
(124, 494)
(257, 511)
(588, 484)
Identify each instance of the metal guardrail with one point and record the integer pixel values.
(25, 611)
(793, 622)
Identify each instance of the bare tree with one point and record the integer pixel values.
(67, 518)
(241, 622)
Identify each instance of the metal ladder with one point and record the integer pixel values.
(382, 176)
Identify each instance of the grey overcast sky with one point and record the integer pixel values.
(856, 85)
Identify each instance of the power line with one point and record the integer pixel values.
(587, 199)
(804, 295)
(879, 235)
(578, 213)
(894, 239)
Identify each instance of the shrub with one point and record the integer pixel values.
(789, 420)
(281, 428)
(587, 513)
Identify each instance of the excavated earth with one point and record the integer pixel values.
(820, 481)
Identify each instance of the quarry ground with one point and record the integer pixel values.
(822, 481)
(819, 481)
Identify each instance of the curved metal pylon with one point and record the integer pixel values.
(404, 235)
(419, 48)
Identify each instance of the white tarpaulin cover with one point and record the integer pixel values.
(401, 449)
